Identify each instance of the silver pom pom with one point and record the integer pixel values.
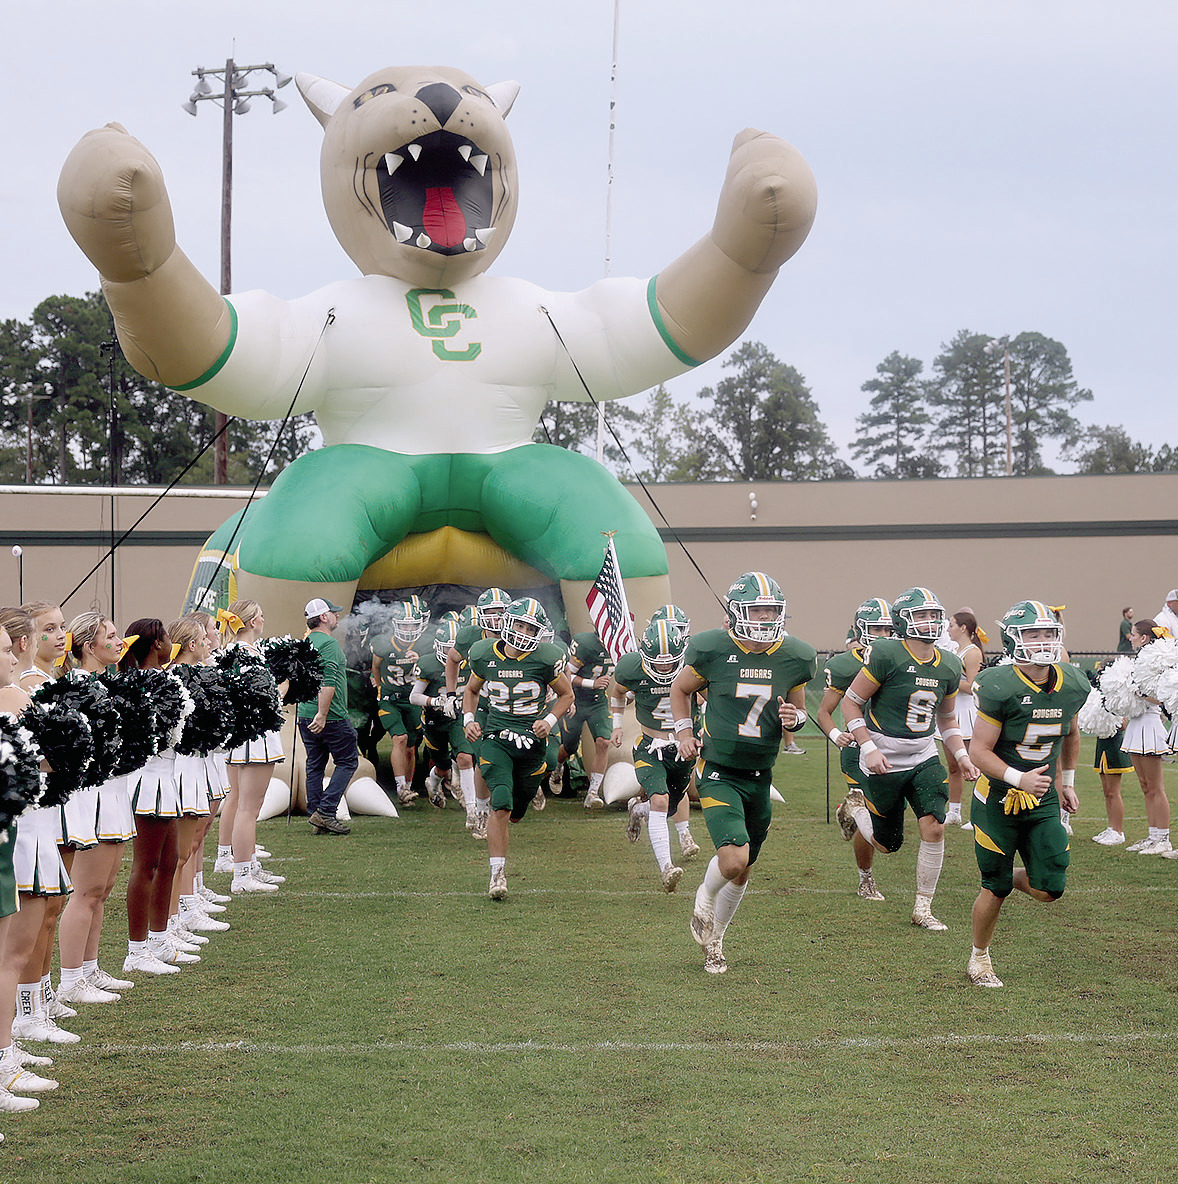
(1152, 662)
(1095, 719)
(1121, 696)
(1167, 691)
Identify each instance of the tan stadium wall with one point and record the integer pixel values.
(1095, 544)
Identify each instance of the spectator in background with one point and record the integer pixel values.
(1167, 616)
(1124, 645)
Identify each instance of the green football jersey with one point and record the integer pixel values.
(841, 669)
(1033, 719)
(742, 728)
(432, 672)
(589, 659)
(515, 689)
(909, 690)
(652, 700)
(396, 669)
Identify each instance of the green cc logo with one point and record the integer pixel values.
(441, 321)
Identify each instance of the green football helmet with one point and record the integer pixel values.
(918, 600)
(518, 616)
(469, 616)
(445, 636)
(660, 650)
(1023, 617)
(755, 590)
(408, 623)
(674, 616)
(873, 614)
(489, 609)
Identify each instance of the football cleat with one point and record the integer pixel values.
(980, 972)
(701, 917)
(1109, 837)
(671, 877)
(688, 846)
(922, 916)
(634, 820)
(867, 888)
(846, 822)
(714, 962)
(498, 888)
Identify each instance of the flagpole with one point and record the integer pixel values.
(609, 198)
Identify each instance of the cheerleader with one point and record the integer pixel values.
(94, 645)
(151, 947)
(19, 927)
(251, 765)
(969, 639)
(1145, 744)
(200, 786)
(39, 641)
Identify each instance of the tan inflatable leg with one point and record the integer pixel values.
(283, 601)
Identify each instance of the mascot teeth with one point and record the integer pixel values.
(464, 150)
(479, 164)
(402, 232)
(485, 235)
(392, 162)
(424, 240)
(414, 151)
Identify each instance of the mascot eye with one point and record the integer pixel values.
(479, 94)
(385, 88)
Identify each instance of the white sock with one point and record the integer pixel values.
(864, 873)
(482, 806)
(595, 780)
(241, 870)
(466, 782)
(862, 817)
(89, 966)
(726, 901)
(682, 829)
(136, 947)
(227, 852)
(981, 953)
(69, 976)
(154, 938)
(928, 867)
(713, 881)
(28, 996)
(402, 783)
(660, 838)
(198, 882)
(498, 863)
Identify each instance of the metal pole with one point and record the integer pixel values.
(609, 197)
(221, 449)
(1009, 448)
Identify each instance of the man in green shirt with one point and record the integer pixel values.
(324, 724)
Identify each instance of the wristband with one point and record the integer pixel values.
(683, 725)
(1067, 778)
(467, 718)
(960, 754)
(833, 735)
(950, 732)
(799, 721)
(868, 747)
(1012, 776)
(550, 720)
(617, 719)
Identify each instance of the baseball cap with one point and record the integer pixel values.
(318, 606)
(1172, 594)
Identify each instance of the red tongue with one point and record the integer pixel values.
(442, 219)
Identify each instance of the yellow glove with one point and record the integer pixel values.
(1018, 800)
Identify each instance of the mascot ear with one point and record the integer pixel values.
(322, 96)
(503, 95)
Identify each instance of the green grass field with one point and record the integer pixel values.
(380, 1019)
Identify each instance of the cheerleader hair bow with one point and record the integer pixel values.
(228, 620)
(1160, 631)
(69, 645)
(128, 642)
(176, 648)
(982, 636)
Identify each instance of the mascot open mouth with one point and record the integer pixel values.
(436, 193)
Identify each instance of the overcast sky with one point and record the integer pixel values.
(999, 167)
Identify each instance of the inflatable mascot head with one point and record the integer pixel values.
(418, 171)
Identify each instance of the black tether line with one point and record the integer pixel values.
(228, 550)
(626, 457)
(116, 544)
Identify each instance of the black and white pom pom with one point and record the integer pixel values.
(172, 703)
(63, 735)
(1094, 719)
(88, 695)
(21, 781)
(210, 724)
(129, 692)
(255, 704)
(294, 661)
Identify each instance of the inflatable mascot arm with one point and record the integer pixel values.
(426, 374)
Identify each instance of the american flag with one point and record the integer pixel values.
(608, 608)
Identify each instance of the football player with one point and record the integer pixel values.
(589, 670)
(1025, 742)
(479, 622)
(515, 671)
(755, 675)
(438, 725)
(393, 660)
(873, 620)
(662, 773)
(907, 688)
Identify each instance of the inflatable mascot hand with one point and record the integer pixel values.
(427, 376)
